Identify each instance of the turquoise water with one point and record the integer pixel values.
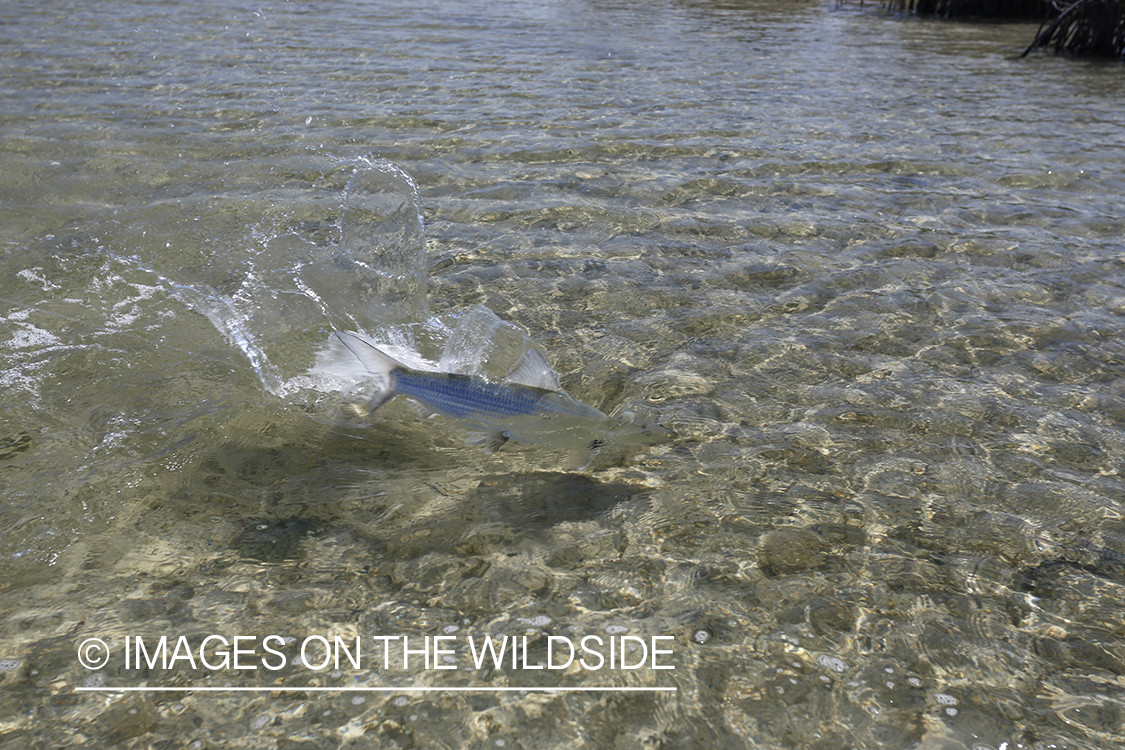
(867, 269)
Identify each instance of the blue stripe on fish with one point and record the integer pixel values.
(464, 397)
(503, 411)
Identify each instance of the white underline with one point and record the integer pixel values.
(377, 689)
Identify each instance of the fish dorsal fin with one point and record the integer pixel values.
(534, 370)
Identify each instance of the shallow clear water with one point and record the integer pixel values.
(866, 268)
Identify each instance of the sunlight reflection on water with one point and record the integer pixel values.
(866, 268)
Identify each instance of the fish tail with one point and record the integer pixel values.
(379, 364)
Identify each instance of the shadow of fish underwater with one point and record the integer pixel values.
(510, 410)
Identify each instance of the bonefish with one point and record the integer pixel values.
(504, 411)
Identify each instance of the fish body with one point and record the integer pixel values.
(504, 411)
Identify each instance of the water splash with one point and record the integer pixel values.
(375, 278)
(287, 298)
(482, 344)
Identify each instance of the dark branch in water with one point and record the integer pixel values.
(1027, 9)
(1087, 28)
(1094, 28)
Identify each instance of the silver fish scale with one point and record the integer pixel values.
(462, 397)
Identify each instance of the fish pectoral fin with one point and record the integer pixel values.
(494, 441)
(580, 458)
(424, 411)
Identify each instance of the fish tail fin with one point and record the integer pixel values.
(379, 364)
